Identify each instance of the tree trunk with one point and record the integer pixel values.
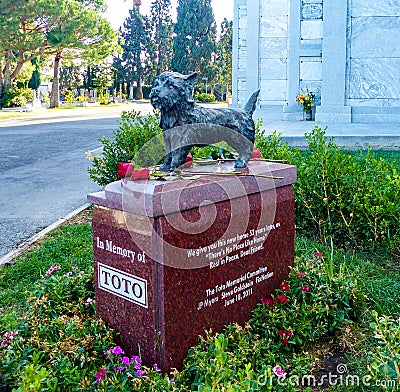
(55, 87)
(139, 91)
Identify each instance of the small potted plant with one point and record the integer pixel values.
(307, 102)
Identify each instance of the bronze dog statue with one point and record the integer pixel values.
(186, 124)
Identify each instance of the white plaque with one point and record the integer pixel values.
(123, 285)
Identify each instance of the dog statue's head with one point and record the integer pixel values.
(172, 89)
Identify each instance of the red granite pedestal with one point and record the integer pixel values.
(173, 259)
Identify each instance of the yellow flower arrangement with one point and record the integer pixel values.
(306, 100)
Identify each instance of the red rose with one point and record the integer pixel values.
(142, 174)
(188, 161)
(125, 169)
(256, 154)
(285, 342)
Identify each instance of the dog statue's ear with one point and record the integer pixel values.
(192, 78)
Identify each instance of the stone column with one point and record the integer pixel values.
(237, 53)
(291, 111)
(253, 45)
(333, 91)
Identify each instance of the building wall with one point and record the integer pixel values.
(345, 51)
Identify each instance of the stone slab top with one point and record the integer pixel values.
(199, 186)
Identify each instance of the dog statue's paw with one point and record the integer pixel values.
(164, 167)
(239, 164)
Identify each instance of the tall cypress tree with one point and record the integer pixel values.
(137, 39)
(195, 32)
(224, 55)
(163, 28)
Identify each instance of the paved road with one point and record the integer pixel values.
(43, 167)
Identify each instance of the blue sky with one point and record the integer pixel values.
(118, 10)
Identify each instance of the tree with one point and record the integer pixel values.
(224, 55)
(136, 56)
(32, 28)
(162, 25)
(195, 31)
(80, 31)
(34, 82)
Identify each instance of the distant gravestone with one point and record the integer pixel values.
(173, 259)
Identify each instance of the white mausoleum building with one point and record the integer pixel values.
(347, 51)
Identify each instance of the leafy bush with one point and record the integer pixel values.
(70, 97)
(17, 97)
(103, 98)
(386, 357)
(203, 97)
(138, 139)
(82, 98)
(352, 198)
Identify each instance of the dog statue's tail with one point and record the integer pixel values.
(251, 103)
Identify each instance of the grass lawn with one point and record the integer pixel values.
(357, 289)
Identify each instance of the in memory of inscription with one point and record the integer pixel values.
(109, 246)
(121, 284)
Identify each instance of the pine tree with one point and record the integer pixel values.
(194, 43)
(137, 40)
(224, 55)
(162, 25)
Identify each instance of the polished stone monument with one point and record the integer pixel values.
(176, 258)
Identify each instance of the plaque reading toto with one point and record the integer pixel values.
(173, 259)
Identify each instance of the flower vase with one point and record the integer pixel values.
(309, 115)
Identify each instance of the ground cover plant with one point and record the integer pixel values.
(55, 343)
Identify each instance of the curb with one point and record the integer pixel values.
(8, 258)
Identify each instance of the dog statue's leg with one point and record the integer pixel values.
(179, 156)
(166, 166)
(243, 159)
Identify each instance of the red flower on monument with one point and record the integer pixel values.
(124, 169)
(142, 174)
(188, 161)
(127, 169)
(284, 286)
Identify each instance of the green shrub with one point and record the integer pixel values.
(82, 98)
(386, 357)
(138, 139)
(352, 198)
(203, 97)
(103, 98)
(17, 97)
(70, 97)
